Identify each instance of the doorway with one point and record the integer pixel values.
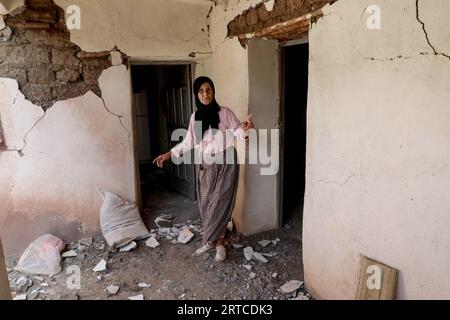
(162, 103)
(295, 61)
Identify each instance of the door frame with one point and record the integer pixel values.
(281, 121)
(136, 62)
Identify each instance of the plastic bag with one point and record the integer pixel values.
(42, 257)
(120, 221)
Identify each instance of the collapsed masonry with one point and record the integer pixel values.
(35, 50)
(288, 20)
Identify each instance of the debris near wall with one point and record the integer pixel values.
(259, 18)
(168, 271)
(35, 50)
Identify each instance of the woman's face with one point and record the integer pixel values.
(205, 94)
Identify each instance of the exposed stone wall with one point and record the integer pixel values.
(35, 49)
(257, 18)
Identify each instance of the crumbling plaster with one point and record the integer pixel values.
(378, 148)
(71, 150)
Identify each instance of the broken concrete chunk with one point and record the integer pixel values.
(174, 241)
(252, 275)
(86, 241)
(138, 297)
(101, 266)
(276, 241)
(112, 289)
(248, 252)
(129, 247)
(258, 256)
(274, 275)
(20, 297)
(39, 278)
(144, 285)
(185, 235)
(44, 284)
(291, 286)
(152, 243)
(164, 221)
(248, 267)
(237, 246)
(23, 283)
(69, 254)
(264, 243)
(301, 297)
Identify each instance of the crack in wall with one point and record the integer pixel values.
(426, 33)
(120, 120)
(340, 184)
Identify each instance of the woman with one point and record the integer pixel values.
(216, 182)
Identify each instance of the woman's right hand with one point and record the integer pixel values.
(161, 159)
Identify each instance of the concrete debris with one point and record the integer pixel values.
(100, 247)
(237, 246)
(258, 256)
(35, 294)
(99, 277)
(174, 241)
(185, 235)
(21, 297)
(86, 241)
(248, 252)
(152, 243)
(252, 275)
(276, 241)
(272, 254)
(132, 245)
(274, 275)
(291, 286)
(138, 297)
(112, 289)
(44, 284)
(101, 266)
(164, 231)
(301, 297)
(248, 267)
(69, 254)
(144, 285)
(164, 220)
(39, 278)
(23, 283)
(264, 243)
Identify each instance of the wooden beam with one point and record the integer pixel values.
(5, 290)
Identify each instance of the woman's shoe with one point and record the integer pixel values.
(205, 248)
(221, 253)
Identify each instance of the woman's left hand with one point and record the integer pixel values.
(248, 124)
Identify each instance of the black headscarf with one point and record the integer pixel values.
(207, 114)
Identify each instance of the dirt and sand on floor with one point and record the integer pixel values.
(169, 271)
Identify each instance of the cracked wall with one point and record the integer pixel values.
(262, 16)
(58, 153)
(378, 159)
(36, 51)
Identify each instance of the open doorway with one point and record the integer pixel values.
(295, 60)
(162, 103)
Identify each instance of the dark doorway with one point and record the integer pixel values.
(162, 103)
(295, 61)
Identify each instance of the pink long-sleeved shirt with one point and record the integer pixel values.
(229, 127)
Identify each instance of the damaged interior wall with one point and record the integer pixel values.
(378, 149)
(60, 151)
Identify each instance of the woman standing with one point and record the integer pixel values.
(216, 182)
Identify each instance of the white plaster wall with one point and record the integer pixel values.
(378, 151)
(143, 29)
(74, 148)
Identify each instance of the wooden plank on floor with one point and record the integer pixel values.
(5, 290)
(377, 281)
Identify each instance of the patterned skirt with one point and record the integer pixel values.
(216, 195)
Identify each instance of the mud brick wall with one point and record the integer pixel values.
(35, 49)
(258, 18)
